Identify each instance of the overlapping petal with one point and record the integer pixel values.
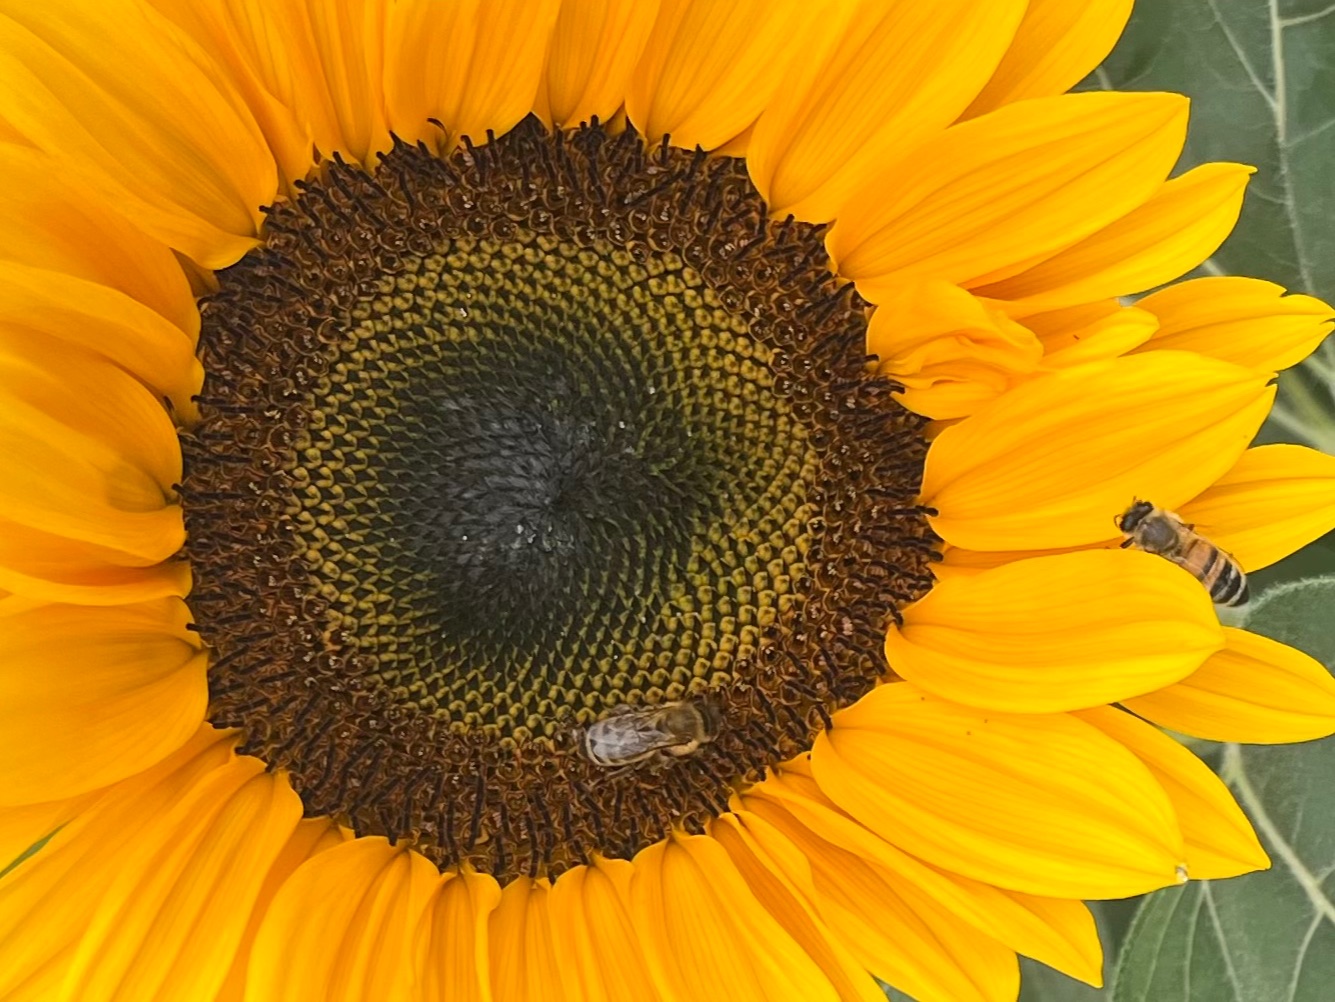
(599, 947)
(473, 66)
(594, 48)
(169, 144)
(1178, 228)
(1273, 500)
(710, 68)
(894, 75)
(1218, 837)
(1038, 803)
(1254, 690)
(1056, 633)
(992, 196)
(1054, 461)
(88, 458)
(453, 938)
(118, 689)
(343, 927)
(1241, 320)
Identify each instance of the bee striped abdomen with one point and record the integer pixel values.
(1162, 533)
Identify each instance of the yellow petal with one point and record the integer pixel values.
(87, 462)
(1090, 333)
(1241, 320)
(895, 75)
(454, 926)
(949, 350)
(1219, 838)
(342, 927)
(524, 964)
(21, 828)
(254, 56)
(594, 49)
(1058, 43)
(472, 65)
(1055, 460)
(115, 834)
(311, 837)
(1275, 499)
(905, 938)
(601, 959)
(1255, 690)
(710, 68)
(164, 144)
(91, 696)
(992, 196)
(1058, 932)
(779, 876)
(52, 568)
(1057, 633)
(70, 310)
(1182, 225)
(169, 928)
(706, 935)
(50, 223)
(1043, 804)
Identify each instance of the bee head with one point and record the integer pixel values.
(1133, 516)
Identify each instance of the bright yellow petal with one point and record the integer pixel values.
(705, 934)
(1057, 633)
(311, 837)
(1058, 43)
(165, 144)
(1055, 460)
(1275, 499)
(593, 52)
(91, 696)
(1043, 804)
(710, 68)
(524, 964)
(50, 223)
(75, 311)
(1219, 838)
(778, 874)
(117, 833)
(169, 928)
(1255, 690)
(254, 55)
(1241, 320)
(53, 568)
(454, 930)
(472, 65)
(342, 928)
(994, 195)
(601, 956)
(1058, 932)
(895, 75)
(87, 462)
(949, 350)
(1090, 333)
(905, 938)
(1182, 225)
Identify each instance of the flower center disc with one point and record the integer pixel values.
(494, 444)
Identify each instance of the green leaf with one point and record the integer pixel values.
(1298, 613)
(1267, 935)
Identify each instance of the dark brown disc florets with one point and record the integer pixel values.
(492, 444)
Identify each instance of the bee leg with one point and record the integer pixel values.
(1126, 543)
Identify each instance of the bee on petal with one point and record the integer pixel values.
(1162, 533)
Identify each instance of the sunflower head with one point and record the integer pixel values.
(615, 500)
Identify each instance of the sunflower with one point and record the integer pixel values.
(613, 499)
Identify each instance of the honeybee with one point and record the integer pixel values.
(1162, 533)
(629, 736)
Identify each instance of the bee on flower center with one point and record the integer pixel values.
(629, 736)
(1164, 534)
